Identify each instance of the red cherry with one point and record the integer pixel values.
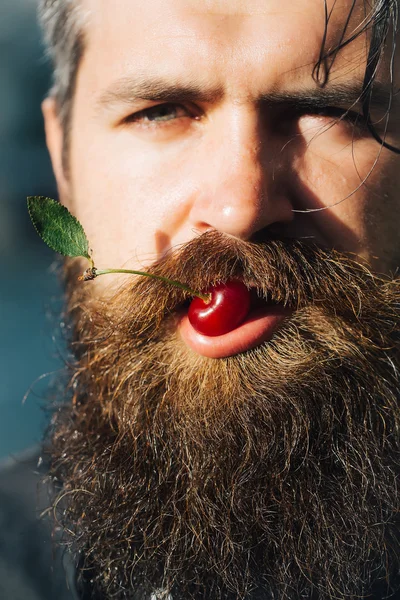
(226, 310)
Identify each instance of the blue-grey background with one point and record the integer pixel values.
(29, 290)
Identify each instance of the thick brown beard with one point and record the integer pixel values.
(270, 474)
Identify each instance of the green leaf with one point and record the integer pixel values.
(60, 230)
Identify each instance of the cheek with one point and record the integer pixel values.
(129, 196)
(330, 174)
(382, 222)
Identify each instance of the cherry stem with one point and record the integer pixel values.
(178, 284)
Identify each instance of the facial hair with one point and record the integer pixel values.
(270, 474)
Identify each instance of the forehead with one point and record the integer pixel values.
(238, 41)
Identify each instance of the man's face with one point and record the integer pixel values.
(271, 470)
(187, 118)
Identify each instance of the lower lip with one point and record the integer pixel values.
(258, 327)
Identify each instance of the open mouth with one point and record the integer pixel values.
(259, 326)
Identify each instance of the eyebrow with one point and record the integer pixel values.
(347, 96)
(129, 91)
(344, 95)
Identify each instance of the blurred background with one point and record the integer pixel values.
(29, 290)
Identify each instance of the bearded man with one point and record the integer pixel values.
(222, 141)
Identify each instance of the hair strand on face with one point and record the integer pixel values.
(382, 18)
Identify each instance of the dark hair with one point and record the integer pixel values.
(382, 21)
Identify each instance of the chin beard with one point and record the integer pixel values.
(270, 474)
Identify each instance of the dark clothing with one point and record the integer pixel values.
(30, 566)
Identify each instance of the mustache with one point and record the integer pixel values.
(284, 271)
(288, 272)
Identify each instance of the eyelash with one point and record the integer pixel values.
(348, 116)
(353, 120)
(143, 116)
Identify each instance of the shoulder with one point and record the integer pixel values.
(30, 566)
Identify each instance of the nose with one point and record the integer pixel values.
(242, 188)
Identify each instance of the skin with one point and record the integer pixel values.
(224, 159)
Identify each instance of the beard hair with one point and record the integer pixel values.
(270, 474)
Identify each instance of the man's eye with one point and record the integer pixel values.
(351, 120)
(341, 114)
(324, 117)
(159, 114)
